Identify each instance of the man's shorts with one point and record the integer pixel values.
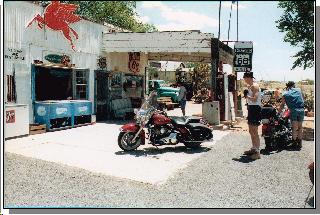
(297, 115)
(183, 103)
(254, 115)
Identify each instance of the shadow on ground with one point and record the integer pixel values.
(243, 159)
(156, 151)
(311, 201)
(117, 122)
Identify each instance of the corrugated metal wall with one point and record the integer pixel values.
(38, 42)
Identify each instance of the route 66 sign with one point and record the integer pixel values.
(134, 62)
(243, 56)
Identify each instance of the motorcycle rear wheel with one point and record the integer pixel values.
(125, 143)
(268, 143)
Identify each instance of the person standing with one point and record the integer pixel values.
(277, 94)
(254, 114)
(182, 98)
(294, 100)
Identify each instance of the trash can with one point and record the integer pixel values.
(211, 112)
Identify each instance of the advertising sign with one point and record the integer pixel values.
(15, 54)
(10, 116)
(243, 56)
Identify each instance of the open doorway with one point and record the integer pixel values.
(102, 95)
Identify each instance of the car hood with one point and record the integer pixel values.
(171, 89)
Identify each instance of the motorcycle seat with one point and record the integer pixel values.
(185, 120)
(178, 120)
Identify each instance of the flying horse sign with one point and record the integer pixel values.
(57, 16)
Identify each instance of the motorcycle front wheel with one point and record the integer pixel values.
(125, 141)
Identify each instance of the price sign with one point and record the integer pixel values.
(243, 56)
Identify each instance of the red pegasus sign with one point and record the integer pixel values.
(58, 16)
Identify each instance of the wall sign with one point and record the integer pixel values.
(10, 116)
(15, 54)
(59, 59)
(243, 56)
(134, 62)
(58, 16)
(54, 58)
(155, 64)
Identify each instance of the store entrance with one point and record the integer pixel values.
(102, 94)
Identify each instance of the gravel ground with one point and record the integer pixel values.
(221, 178)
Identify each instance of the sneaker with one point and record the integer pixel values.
(255, 156)
(250, 152)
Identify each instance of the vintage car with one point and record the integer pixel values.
(163, 90)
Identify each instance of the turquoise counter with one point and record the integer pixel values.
(62, 114)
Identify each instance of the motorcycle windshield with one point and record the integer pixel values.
(150, 102)
(148, 106)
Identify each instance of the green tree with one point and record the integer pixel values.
(118, 13)
(297, 22)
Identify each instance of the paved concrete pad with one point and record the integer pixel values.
(95, 148)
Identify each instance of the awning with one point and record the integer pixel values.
(184, 46)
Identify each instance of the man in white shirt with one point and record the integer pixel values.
(182, 98)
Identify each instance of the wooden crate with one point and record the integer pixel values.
(167, 101)
(37, 129)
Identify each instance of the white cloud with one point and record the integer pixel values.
(227, 4)
(180, 19)
(143, 19)
(153, 4)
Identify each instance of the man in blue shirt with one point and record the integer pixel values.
(294, 100)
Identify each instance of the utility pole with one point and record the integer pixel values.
(219, 19)
(237, 20)
(229, 23)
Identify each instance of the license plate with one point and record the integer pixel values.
(265, 121)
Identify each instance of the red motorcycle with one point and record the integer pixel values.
(162, 129)
(276, 128)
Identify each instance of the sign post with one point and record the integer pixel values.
(243, 56)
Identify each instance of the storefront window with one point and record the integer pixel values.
(11, 89)
(60, 84)
(81, 80)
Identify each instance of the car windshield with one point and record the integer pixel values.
(162, 84)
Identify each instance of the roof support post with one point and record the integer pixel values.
(214, 66)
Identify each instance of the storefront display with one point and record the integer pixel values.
(60, 97)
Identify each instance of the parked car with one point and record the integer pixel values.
(163, 90)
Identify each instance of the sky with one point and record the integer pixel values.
(271, 56)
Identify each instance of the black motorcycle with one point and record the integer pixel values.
(276, 128)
